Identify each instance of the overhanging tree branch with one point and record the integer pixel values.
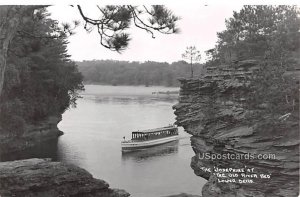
(115, 20)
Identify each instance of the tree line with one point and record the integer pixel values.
(149, 73)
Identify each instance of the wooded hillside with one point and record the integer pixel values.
(149, 73)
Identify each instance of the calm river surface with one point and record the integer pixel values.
(94, 130)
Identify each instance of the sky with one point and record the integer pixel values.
(199, 25)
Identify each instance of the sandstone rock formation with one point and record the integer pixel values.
(212, 110)
(43, 178)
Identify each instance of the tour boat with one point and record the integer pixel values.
(150, 137)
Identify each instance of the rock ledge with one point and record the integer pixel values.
(41, 177)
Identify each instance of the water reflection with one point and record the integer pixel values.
(142, 155)
(47, 149)
(70, 151)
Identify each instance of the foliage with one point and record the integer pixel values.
(115, 20)
(135, 73)
(192, 55)
(270, 34)
(257, 30)
(40, 80)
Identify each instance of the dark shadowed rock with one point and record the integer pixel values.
(43, 178)
(32, 136)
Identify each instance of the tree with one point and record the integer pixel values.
(111, 25)
(269, 34)
(192, 55)
(11, 18)
(40, 79)
(253, 31)
(115, 20)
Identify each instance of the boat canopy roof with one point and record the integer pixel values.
(171, 127)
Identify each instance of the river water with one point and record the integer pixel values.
(93, 132)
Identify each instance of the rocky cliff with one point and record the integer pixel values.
(212, 109)
(41, 177)
(32, 136)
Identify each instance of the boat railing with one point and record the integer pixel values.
(143, 139)
(127, 141)
(157, 129)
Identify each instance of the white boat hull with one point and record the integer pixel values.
(135, 145)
